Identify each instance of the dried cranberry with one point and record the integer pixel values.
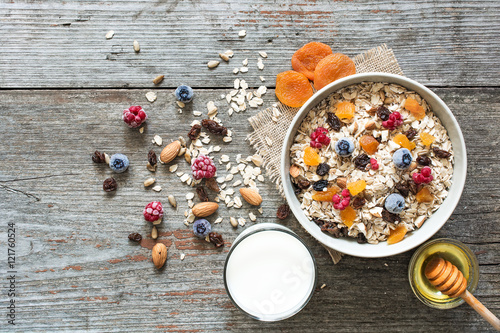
(135, 237)
(424, 160)
(303, 183)
(403, 189)
(214, 127)
(283, 211)
(441, 153)
(410, 133)
(202, 194)
(322, 169)
(109, 185)
(216, 239)
(98, 157)
(358, 202)
(390, 217)
(152, 159)
(333, 121)
(361, 161)
(320, 185)
(194, 132)
(383, 113)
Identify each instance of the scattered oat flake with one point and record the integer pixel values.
(180, 104)
(252, 217)
(236, 70)
(217, 148)
(242, 33)
(227, 139)
(158, 140)
(263, 54)
(236, 84)
(197, 113)
(157, 188)
(245, 62)
(110, 34)
(173, 168)
(323, 286)
(219, 220)
(183, 256)
(243, 69)
(260, 210)
(184, 177)
(137, 47)
(151, 96)
(242, 221)
(262, 78)
(141, 130)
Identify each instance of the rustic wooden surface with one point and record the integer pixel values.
(77, 271)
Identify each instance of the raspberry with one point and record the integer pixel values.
(343, 203)
(423, 177)
(153, 211)
(203, 167)
(134, 116)
(319, 138)
(345, 193)
(374, 164)
(336, 199)
(395, 120)
(426, 171)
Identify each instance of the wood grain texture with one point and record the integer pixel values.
(62, 44)
(79, 272)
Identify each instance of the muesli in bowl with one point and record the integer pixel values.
(371, 161)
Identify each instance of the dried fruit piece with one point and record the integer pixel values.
(211, 183)
(411, 133)
(424, 160)
(326, 195)
(200, 190)
(109, 185)
(135, 237)
(194, 132)
(320, 185)
(134, 116)
(311, 157)
(216, 239)
(390, 217)
(341, 201)
(98, 157)
(403, 141)
(152, 158)
(369, 144)
(203, 167)
(424, 195)
(415, 109)
(403, 189)
(395, 120)
(283, 211)
(348, 215)
(214, 127)
(333, 121)
(153, 211)
(319, 138)
(358, 202)
(293, 88)
(361, 161)
(397, 234)
(322, 169)
(356, 187)
(305, 59)
(345, 110)
(383, 113)
(303, 183)
(332, 67)
(427, 139)
(441, 153)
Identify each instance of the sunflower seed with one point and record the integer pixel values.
(110, 34)
(233, 222)
(172, 201)
(263, 54)
(213, 64)
(224, 57)
(157, 188)
(154, 233)
(149, 182)
(137, 47)
(158, 79)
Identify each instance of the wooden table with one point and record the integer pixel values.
(63, 87)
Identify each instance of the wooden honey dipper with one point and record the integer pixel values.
(448, 279)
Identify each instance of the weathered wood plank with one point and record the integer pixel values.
(62, 44)
(78, 271)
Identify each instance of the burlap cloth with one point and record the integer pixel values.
(268, 135)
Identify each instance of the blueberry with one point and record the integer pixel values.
(320, 185)
(395, 203)
(118, 163)
(402, 158)
(201, 228)
(344, 147)
(184, 93)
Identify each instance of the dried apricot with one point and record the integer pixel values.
(348, 215)
(333, 67)
(415, 109)
(403, 141)
(326, 195)
(293, 88)
(345, 110)
(424, 195)
(397, 234)
(305, 59)
(427, 139)
(356, 187)
(369, 144)
(311, 157)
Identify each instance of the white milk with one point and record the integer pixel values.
(270, 275)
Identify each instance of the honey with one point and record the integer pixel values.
(455, 252)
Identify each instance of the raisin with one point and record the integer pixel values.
(320, 185)
(441, 153)
(383, 113)
(333, 229)
(216, 239)
(152, 159)
(361, 161)
(358, 202)
(109, 185)
(379, 138)
(135, 237)
(322, 169)
(403, 189)
(303, 183)
(414, 187)
(200, 190)
(283, 211)
(361, 239)
(318, 221)
(334, 121)
(410, 133)
(211, 183)
(424, 160)
(214, 127)
(98, 157)
(194, 132)
(390, 217)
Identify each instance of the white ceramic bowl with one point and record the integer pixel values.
(432, 224)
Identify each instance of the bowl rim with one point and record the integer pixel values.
(441, 215)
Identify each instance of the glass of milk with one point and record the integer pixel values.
(269, 274)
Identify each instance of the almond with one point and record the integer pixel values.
(203, 209)
(159, 254)
(342, 182)
(370, 125)
(170, 151)
(294, 171)
(251, 196)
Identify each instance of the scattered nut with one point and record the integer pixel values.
(294, 171)
(342, 182)
(157, 188)
(172, 201)
(224, 57)
(158, 79)
(154, 233)
(149, 182)
(213, 64)
(137, 47)
(370, 125)
(233, 222)
(159, 254)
